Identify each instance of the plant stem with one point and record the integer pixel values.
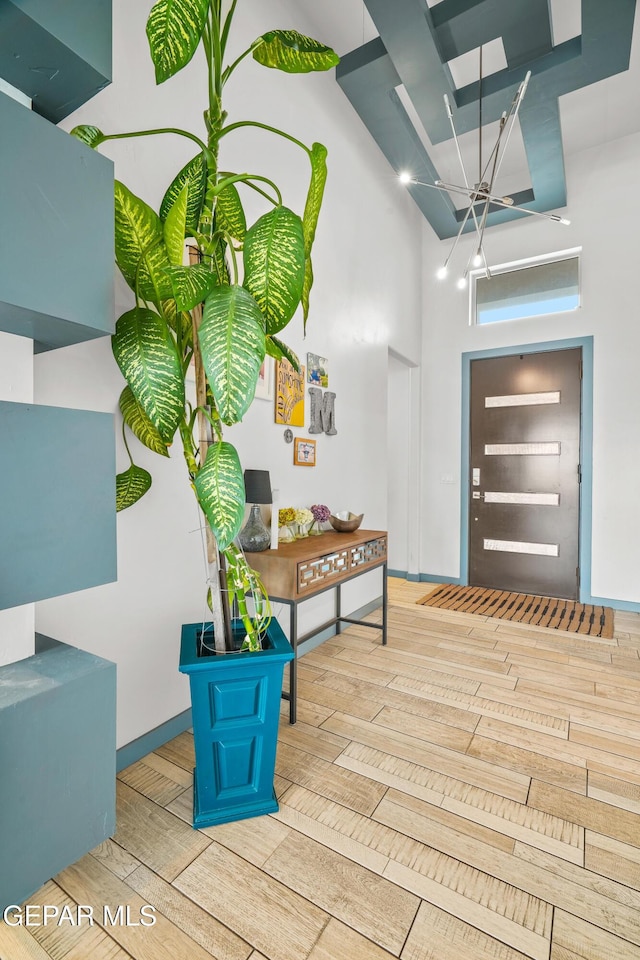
(126, 445)
(245, 178)
(227, 73)
(214, 119)
(227, 27)
(262, 192)
(265, 126)
(152, 133)
(216, 49)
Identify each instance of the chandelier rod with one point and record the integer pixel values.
(480, 119)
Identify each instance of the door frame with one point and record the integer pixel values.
(586, 448)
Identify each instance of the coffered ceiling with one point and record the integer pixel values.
(410, 53)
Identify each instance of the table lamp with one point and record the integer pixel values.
(254, 536)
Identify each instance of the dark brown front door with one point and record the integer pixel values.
(525, 476)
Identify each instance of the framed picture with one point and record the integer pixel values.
(304, 452)
(264, 386)
(289, 395)
(317, 370)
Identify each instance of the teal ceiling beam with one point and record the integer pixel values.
(415, 44)
(369, 70)
(462, 25)
(58, 52)
(407, 32)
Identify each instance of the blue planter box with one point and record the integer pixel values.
(235, 700)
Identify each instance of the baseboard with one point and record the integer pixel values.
(150, 741)
(626, 605)
(431, 578)
(422, 577)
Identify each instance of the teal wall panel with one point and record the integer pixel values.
(57, 502)
(56, 250)
(58, 52)
(57, 764)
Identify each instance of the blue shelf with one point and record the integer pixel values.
(58, 52)
(57, 255)
(57, 490)
(57, 752)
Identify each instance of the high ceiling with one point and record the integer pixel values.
(399, 58)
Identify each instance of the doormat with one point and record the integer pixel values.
(565, 615)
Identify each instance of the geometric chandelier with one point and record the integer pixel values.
(481, 194)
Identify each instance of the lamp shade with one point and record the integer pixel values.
(257, 486)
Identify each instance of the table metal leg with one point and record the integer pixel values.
(338, 609)
(385, 604)
(293, 665)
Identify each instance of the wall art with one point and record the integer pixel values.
(304, 452)
(317, 370)
(289, 407)
(323, 412)
(264, 386)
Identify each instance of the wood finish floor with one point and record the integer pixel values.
(470, 792)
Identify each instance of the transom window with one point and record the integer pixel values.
(526, 288)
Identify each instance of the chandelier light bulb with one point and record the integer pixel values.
(477, 260)
(441, 273)
(462, 282)
(405, 177)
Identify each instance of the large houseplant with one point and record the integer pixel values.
(224, 311)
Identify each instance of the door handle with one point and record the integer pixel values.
(476, 495)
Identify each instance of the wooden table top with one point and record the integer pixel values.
(328, 542)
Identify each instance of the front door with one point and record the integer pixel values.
(524, 488)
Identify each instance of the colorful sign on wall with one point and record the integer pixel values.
(289, 395)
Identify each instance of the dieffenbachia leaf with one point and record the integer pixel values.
(139, 423)
(193, 175)
(292, 52)
(191, 284)
(88, 134)
(146, 354)
(230, 214)
(274, 265)
(140, 251)
(220, 265)
(175, 226)
(179, 321)
(131, 486)
(219, 487)
(310, 217)
(174, 29)
(306, 290)
(232, 343)
(279, 350)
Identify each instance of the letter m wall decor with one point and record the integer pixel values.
(323, 413)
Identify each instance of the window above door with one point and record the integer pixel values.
(529, 288)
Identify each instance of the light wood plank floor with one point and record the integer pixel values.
(470, 792)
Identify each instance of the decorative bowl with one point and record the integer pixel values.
(345, 521)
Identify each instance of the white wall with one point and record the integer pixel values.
(367, 297)
(16, 385)
(603, 208)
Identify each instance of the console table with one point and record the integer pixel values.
(305, 568)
